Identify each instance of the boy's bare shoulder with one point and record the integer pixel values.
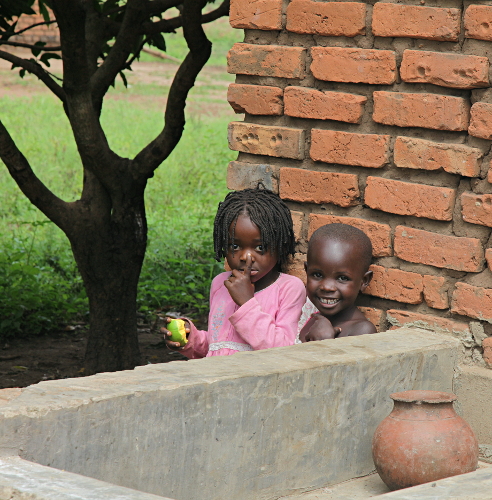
(357, 327)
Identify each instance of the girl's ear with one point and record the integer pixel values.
(366, 280)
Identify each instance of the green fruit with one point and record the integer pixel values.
(176, 328)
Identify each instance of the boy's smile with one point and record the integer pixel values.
(335, 276)
(247, 239)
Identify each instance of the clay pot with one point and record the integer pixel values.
(422, 440)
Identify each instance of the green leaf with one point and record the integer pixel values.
(43, 10)
(158, 41)
(36, 52)
(123, 77)
(45, 58)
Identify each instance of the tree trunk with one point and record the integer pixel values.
(109, 247)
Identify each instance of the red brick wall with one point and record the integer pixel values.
(48, 34)
(378, 115)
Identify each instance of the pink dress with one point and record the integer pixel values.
(269, 319)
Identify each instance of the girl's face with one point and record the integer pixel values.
(247, 239)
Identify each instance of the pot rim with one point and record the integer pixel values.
(418, 396)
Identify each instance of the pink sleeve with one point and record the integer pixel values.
(198, 340)
(261, 329)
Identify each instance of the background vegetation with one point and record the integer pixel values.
(39, 284)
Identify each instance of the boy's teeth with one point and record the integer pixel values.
(328, 301)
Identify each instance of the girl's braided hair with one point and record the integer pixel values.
(267, 210)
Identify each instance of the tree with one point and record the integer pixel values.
(106, 227)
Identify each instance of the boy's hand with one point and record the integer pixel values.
(239, 284)
(320, 328)
(167, 334)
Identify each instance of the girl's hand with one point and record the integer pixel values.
(167, 334)
(320, 328)
(239, 284)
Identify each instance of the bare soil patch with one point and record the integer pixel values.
(60, 354)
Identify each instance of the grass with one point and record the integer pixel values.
(40, 287)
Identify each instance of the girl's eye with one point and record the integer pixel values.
(234, 247)
(259, 249)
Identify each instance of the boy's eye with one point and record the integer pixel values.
(317, 275)
(344, 278)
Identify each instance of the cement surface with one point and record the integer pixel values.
(256, 425)
(473, 387)
(22, 480)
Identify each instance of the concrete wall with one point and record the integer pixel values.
(250, 426)
(378, 114)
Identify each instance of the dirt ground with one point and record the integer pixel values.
(60, 354)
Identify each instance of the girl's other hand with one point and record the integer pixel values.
(167, 334)
(320, 328)
(239, 283)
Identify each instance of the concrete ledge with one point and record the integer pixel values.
(473, 486)
(22, 480)
(473, 386)
(256, 425)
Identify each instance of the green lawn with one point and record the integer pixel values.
(39, 284)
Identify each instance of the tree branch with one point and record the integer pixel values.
(124, 44)
(84, 118)
(36, 69)
(38, 194)
(200, 49)
(29, 46)
(171, 25)
(43, 23)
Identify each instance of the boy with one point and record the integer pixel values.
(337, 269)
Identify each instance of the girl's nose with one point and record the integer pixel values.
(244, 255)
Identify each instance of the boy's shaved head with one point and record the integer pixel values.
(348, 234)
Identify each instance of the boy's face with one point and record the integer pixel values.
(335, 276)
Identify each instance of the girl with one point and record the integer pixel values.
(255, 305)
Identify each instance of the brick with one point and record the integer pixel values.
(346, 148)
(406, 198)
(379, 234)
(447, 70)
(255, 99)
(477, 208)
(472, 301)
(247, 175)
(488, 258)
(282, 142)
(427, 322)
(297, 218)
(337, 64)
(307, 186)
(410, 152)
(439, 250)
(436, 292)
(296, 267)
(487, 351)
(440, 112)
(256, 14)
(478, 22)
(326, 18)
(394, 284)
(375, 316)
(302, 102)
(431, 23)
(266, 60)
(481, 120)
